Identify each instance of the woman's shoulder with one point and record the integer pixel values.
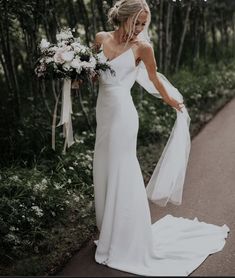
(143, 45)
(101, 36)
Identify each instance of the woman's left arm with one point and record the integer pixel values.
(146, 54)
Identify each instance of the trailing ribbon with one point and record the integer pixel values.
(65, 118)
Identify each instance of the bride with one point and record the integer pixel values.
(128, 241)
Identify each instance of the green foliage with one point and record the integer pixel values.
(37, 204)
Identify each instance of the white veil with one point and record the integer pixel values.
(167, 181)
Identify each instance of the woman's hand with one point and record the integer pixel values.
(76, 84)
(95, 78)
(174, 103)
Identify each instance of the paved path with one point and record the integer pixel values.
(209, 194)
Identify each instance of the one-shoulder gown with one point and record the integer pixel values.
(128, 241)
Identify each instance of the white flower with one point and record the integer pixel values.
(12, 237)
(64, 35)
(49, 60)
(83, 49)
(69, 181)
(80, 141)
(76, 46)
(58, 56)
(87, 172)
(39, 187)
(44, 44)
(54, 48)
(76, 63)
(62, 44)
(78, 70)
(12, 228)
(67, 56)
(71, 168)
(89, 65)
(44, 181)
(38, 211)
(58, 186)
(14, 178)
(66, 66)
(76, 198)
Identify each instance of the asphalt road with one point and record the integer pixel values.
(209, 195)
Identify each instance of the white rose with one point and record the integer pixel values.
(68, 56)
(76, 64)
(58, 57)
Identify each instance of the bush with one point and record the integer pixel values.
(36, 203)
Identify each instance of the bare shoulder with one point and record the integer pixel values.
(144, 47)
(101, 36)
(146, 54)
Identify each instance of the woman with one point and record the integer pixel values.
(128, 241)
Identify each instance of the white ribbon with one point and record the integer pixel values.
(65, 118)
(167, 181)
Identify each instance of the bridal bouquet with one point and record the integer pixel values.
(68, 59)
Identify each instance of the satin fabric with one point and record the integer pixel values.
(128, 241)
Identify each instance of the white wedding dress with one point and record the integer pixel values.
(128, 241)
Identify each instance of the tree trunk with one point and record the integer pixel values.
(168, 37)
(234, 34)
(101, 14)
(204, 36)
(160, 29)
(183, 36)
(214, 42)
(197, 40)
(93, 13)
(85, 19)
(8, 60)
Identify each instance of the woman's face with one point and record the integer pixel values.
(140, 23)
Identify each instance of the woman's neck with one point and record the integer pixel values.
(120, 35)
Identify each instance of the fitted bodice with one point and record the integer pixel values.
(124, 67)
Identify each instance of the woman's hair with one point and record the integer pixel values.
(127, 11)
